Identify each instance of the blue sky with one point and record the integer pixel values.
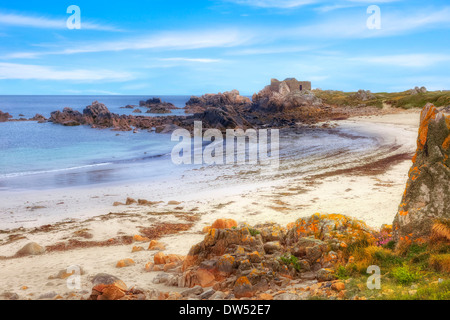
(160, 47)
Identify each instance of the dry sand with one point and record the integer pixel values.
(349, 186)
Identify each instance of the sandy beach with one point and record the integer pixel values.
(366, 185)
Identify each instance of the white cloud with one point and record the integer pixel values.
(17, 20)
(182, 40)
(283, 4)
(289, 4)
(272, 50)
(199, 60)
(14, 71)
(405, 60)
(392, 24)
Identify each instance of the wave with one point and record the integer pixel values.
(28, 173)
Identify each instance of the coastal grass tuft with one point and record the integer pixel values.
(406, 274)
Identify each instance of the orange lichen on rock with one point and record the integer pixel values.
(159, 258)
(446, 144)
(414, 173)
(428, 113)
(243, 288)
(224, 224)
(125, 263)
(139, 238)
(137, 249)
(156, 245)
(149, 266)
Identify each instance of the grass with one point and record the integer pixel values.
(403, 100)
(417, 272)
(253, 232)
(291, 260)
(440, 262)
(406, 274)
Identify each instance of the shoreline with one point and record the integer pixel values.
(372, 197)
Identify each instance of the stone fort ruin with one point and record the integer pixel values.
(292, 83)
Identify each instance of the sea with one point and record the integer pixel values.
(36, 156)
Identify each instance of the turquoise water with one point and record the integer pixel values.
(48, 155)
(30, 105)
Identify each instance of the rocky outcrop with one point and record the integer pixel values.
(250, 260)
(229, 98)
(364, 95)
(224, 117)
(39, 118)
(4, 116)
(427, 194)
(97, 115)
(155, 105)
(67, 117)
(418, 90)
(284, 99)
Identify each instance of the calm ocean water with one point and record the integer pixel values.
(53, 156)
(45, 156)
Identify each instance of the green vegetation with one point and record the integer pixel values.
(405, 275)
(291, 260)
(417, 272)
(253, 232)
(404, 100)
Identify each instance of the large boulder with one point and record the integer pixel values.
(427, 194)
(107, 287)
(364, 95)
(68, 117)
(30, 249)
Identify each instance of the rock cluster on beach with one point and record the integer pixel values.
(241, 262)
(427, 195)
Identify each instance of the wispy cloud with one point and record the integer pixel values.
(272, 50)
(406, 60)
(182, 40)
(289, 4)
(40, 22)
(14, 71)
(392, 24)
(93, 92)
(199, 60)
(283, 4)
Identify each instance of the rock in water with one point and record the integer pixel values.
(427, 194)
(4, 116)
(30, 249)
